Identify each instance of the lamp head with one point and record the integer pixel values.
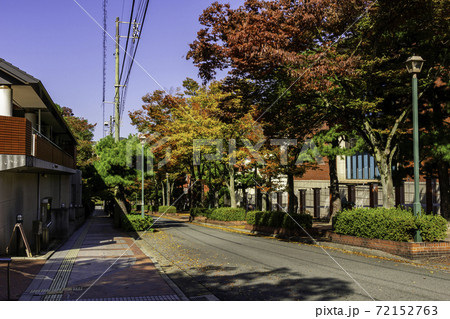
(19, 218)
(414, 64)
(142, 138)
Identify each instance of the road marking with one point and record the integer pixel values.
(139, 298)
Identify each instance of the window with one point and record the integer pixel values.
(361, 166)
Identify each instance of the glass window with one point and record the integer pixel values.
(361, 166)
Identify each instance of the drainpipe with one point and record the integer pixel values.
(39, 121)
(6, 106)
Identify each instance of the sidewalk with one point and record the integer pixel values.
(99, 262)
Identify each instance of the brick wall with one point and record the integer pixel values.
(15, 136)
(404, 249)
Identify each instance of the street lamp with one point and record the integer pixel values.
(414, 66)
(142, 138)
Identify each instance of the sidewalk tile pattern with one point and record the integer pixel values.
(99, 263)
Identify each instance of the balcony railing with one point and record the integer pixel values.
(17, 137)
(46, 150)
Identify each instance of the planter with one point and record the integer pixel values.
(408, 250)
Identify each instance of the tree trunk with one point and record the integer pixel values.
(335, 200)
(384, 164)
(163, 191)
(292, 199)
(190, 193)
(231, 186)
(444, 188)
(384, 154)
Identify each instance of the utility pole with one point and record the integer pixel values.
(117, 86)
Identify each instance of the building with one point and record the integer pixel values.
(38, 175)
(359, 185)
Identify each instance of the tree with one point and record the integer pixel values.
(113, 166)
(344, 58)
(84, 133)
(197, 124)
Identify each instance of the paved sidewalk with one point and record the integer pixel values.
(99, 262)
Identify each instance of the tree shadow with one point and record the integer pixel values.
(232, 284)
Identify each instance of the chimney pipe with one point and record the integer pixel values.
(6, 106)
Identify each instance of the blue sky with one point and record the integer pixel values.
(56, 42)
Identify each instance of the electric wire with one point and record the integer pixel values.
(140, 19)
(128, 38)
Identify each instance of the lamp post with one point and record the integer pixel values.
(167, 189)
(414, 66)
(142, 139)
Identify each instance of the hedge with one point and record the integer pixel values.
(395, 224)
(279, 219)
(200, 211)
(167, 209)
(432, 227)
(227, 214)
(136, 222)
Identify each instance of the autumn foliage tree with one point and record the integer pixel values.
(194, 126)
(336, 61)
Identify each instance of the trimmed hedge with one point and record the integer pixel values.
(227, 214)
(279, 219)
(432, 227)
(167, 209)
(200, 211)
(136, 222)
(395, 224)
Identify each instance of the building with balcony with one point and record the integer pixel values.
(38, 175)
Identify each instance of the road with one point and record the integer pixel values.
(235, 266)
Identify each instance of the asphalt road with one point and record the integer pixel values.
(233, 266)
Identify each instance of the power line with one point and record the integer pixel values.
(128, 38)
(143, 14)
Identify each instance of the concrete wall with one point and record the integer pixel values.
(18, 194)
(22, 193)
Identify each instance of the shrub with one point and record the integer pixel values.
(432, 227)
(167, 209)
(227, 214)
(253, 217)
(304, 220)
(200, 211)
(278, 219)
(136, 222)
(382, 223)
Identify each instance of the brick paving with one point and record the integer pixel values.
(99, 263)
(22, 273)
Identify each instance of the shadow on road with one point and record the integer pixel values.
(161, 224)
(229, 283)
